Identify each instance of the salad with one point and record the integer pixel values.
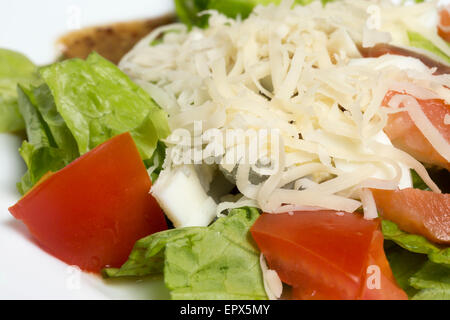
(251, 150)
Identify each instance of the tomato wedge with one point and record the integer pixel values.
(378, 282)
(404, 134)
(383, 48)
(92, 212)
(378, 266)
(417, 211)
(444, 23)
(322, 254)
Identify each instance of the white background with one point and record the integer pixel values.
(26, 271)
(32, 26)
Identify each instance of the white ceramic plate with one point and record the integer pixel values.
(26, 271)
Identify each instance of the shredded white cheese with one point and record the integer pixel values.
(296, 70)
(369, 206)
(272, 282)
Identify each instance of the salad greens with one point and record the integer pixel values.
(216, 262)
(40, 152)
(188, 10)
(433, 281)
(416, 243)
(98, 101)
(59, 131)
(420, 278)
(154, 164)
(404, 264)
(417, 181)
(14, 68)
(418, 269)
(419, 41)
(78, 105)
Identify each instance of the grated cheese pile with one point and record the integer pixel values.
(296, 70)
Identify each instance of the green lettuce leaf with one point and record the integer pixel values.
(14, 68)
(420, 278)
(419, 41)
(147, 257)
(433, 281)
(79, 105)
(404, 264)
(416, 243)
(40, 152)
(97, 101)
(59, 131)
(188, 10)
(155, 163)
(417, 181)
(216, 262)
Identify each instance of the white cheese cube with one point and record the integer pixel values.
(183, 199)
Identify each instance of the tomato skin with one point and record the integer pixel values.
(92, 212)
(320, 250)
(417, 211)
(324, 255)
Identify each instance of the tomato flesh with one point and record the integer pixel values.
(322, 254)
(316, 249)
(444, 23)
(417, 211)
(379, 282)
(92, 212)
(404, 134)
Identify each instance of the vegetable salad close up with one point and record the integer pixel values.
(249, 150)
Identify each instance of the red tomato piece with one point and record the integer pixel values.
(404, 134)
(417, 211)
(92, 212)
(320, 251)
(322, 255)
(383, 48)
(379, 282)
(444, 23)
